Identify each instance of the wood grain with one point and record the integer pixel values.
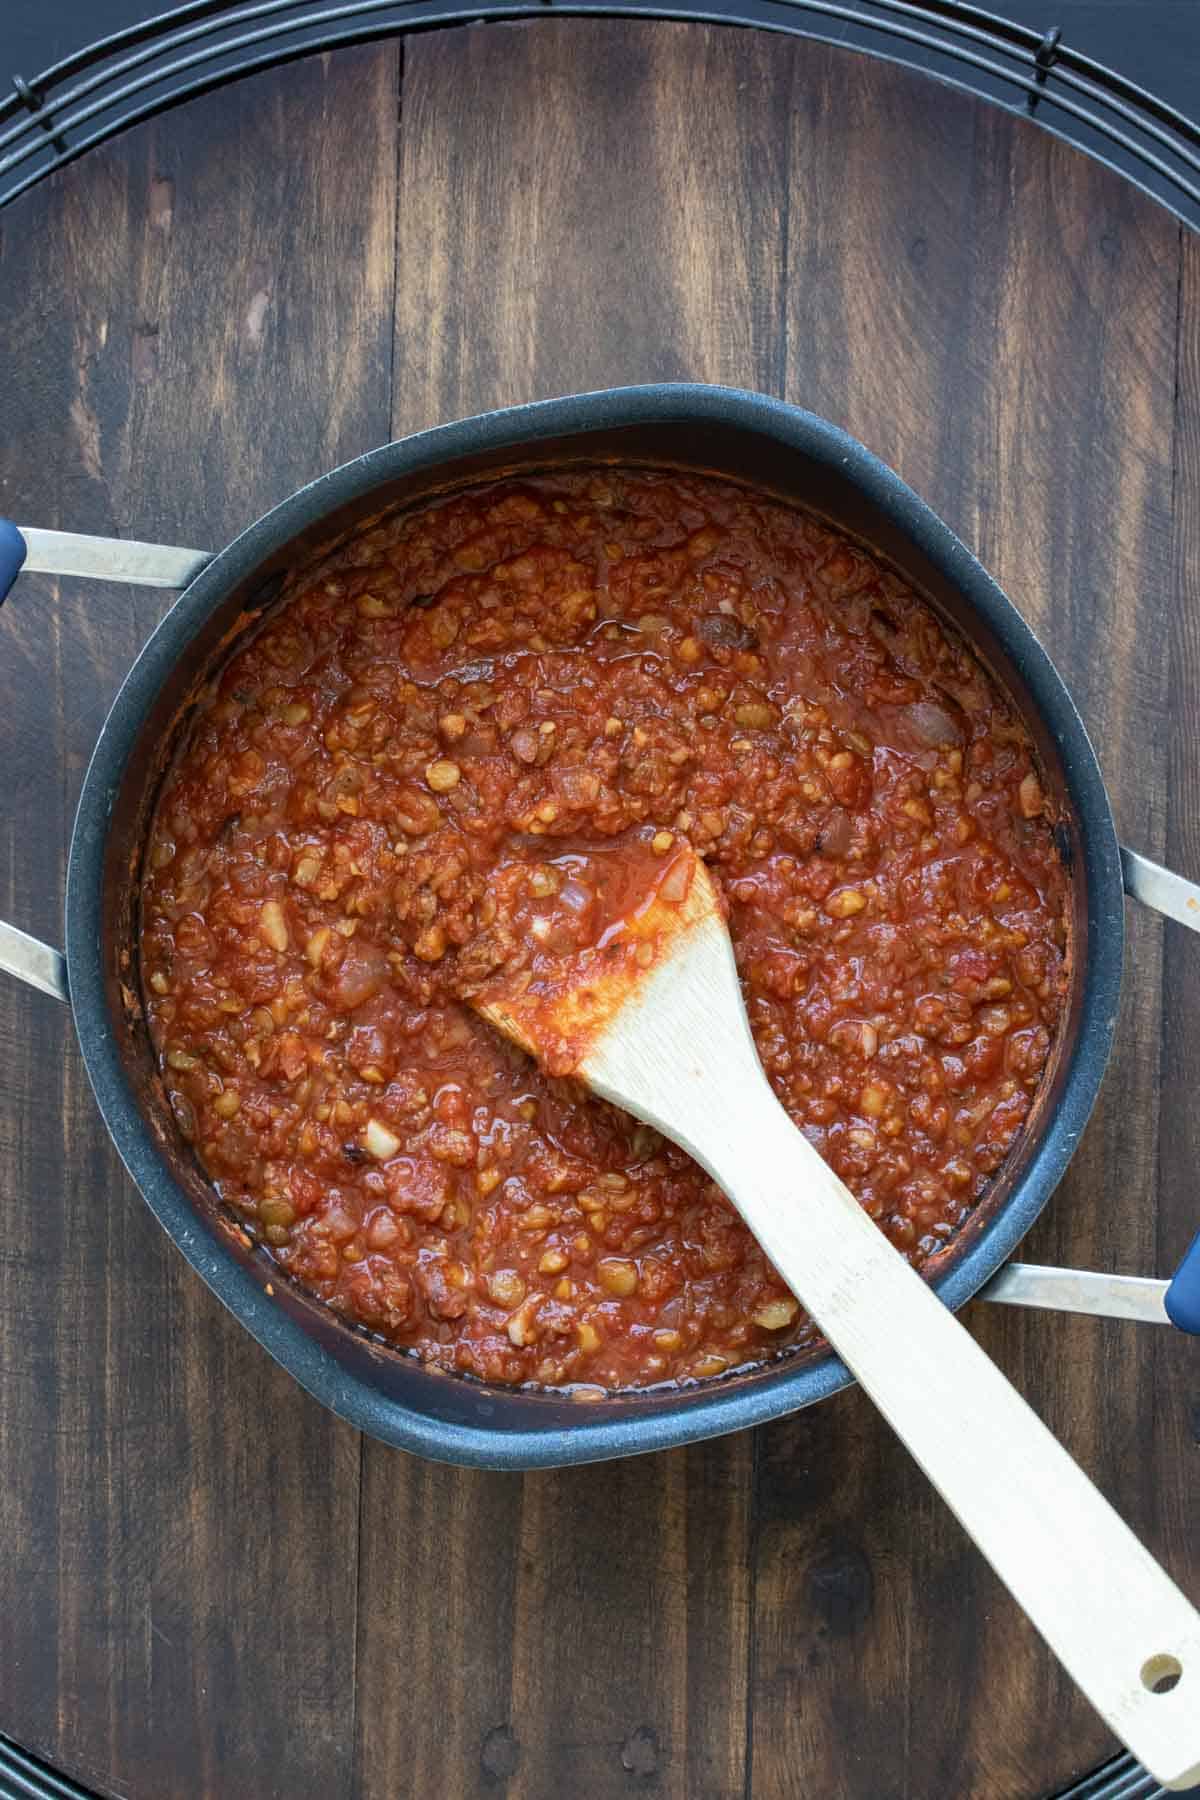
(178, 1522)
(609, 199)
(200, 317)
(1174, 1378)
(1095, 288)
(1021, 310)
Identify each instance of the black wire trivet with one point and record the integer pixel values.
(48, 121)
(24, 1777)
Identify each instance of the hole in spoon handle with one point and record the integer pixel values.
(1162, 1672)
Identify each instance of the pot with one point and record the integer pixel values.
(746, 438)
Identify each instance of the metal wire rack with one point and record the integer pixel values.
(49, 120)
(24, 1777)
(1120, 1779)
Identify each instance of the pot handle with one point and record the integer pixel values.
(99, 559)
(37, 964)
(1174, 1302)
(1175, 898)
(93, 558)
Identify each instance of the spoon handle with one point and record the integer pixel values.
(679, 1054)
(1116, 1620)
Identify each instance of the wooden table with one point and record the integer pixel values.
(209, 1586)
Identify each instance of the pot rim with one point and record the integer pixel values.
(702, 1412)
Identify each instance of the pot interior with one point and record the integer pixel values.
(774, 450)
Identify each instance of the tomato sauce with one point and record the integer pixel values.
(430, 767)
(578, 961)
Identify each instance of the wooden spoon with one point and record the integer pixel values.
(649, 1014)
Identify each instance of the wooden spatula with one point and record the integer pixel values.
(649, 1014)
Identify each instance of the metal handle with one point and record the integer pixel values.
(1162, 891)
(1174, 1302)
(99, 559)
(1140, 1297)
(34, 962)
(1175, 898)
(94, 558)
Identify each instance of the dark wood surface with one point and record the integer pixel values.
(209, 1586)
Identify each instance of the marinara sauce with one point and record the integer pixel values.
(412, 772)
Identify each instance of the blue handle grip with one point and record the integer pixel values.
(12, 555)
(1182, 1298)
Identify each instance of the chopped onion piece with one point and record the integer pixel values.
(381, 1142)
